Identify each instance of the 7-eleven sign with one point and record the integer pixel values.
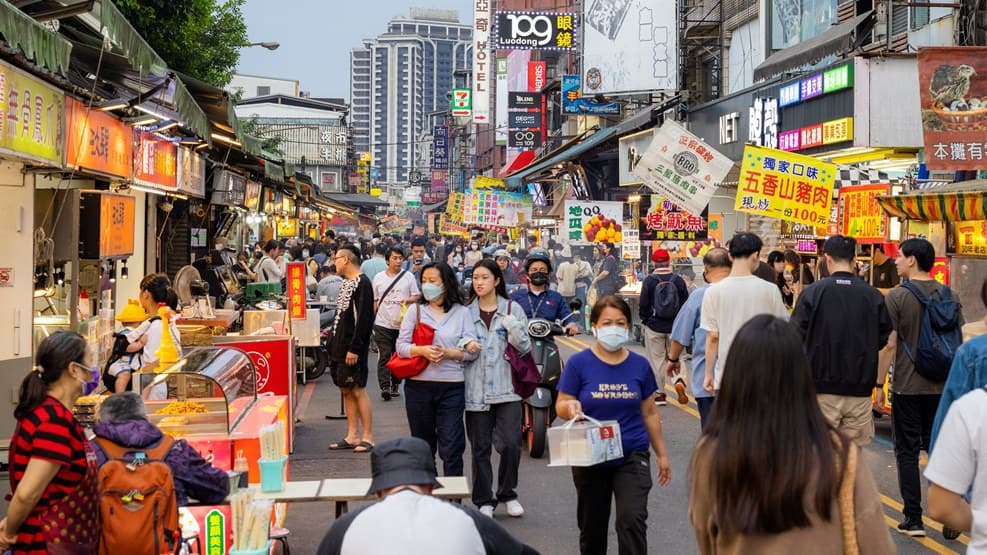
(462, 102)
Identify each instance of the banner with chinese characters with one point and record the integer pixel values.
(630, 245)
(969, 238)
(296, 290)
(786, 186)
(97, 141)
(665, 221)
(488, 207)
(484, 182)
(440, 146)
(454, 208)
(536, 31)
(682, 167)
(953, 97)
(940, 270)
(155, 162)
(590, 221)
(448, 227)
(31, 116)
(861, 215)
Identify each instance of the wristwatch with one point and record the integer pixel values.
(671, 359)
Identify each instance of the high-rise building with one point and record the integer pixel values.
(398, 79)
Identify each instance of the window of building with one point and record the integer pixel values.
(263, 90)
(795, 21)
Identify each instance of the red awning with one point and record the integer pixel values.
(521, 161)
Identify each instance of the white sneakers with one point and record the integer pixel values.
(514, 509)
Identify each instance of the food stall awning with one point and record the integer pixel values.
(566, 152)
(356, 199)
(39, 44)
(325, 204)
(954, 202)
(839, 39)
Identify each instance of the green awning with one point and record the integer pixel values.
(38, 43)
(191, 113)
(123, 35)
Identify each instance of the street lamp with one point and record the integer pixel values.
(270, 45)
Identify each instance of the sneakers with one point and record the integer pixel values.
(661, 399)
(385, 395)
(680, 389)
(912, 528)
(950, 533)
(487, 510)
(514, 508)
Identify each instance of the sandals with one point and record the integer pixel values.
(342, 445)
(363, 447)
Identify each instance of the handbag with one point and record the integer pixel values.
(524, 372)
(423, 335)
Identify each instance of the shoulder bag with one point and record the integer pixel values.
(524, 372)
(422, 336)
(388, 290)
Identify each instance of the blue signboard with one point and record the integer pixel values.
(572, 103)
(440, 147)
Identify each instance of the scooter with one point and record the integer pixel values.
(539, 409)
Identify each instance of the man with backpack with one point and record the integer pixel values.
(662, 295)
(927, 321)
(144, 476)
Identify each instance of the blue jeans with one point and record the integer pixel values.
(705, 405)
(435, 414)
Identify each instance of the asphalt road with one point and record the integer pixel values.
(549, 523)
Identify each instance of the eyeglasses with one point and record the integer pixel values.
(335, 258)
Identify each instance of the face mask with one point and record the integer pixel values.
(90, 385)
(432, 291)
(473, 247)
(611, 338)
(538, 278)
(304, 254)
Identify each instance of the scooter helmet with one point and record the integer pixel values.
(537, 257)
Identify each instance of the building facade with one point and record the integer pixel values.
(397, 80)
(252, 86)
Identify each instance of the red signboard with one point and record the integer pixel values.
(97, 141)
(296, 290)
(861, 215)
(940, 270)
(155, 161)
(952, 82)
(536, 76)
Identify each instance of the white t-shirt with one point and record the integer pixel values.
(959, 460)
(389, 309)
(729, 304)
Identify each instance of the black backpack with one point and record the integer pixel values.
(939, 334)
(118, 351)
(665, 301)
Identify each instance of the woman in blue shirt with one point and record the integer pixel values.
(493, 409)
(435, 399)
(609, 382)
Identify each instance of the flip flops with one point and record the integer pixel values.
(363, 447)
(342, 445)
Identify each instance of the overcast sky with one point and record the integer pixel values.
(316, 37)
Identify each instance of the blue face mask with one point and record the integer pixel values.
(611, 338)
(432, 291)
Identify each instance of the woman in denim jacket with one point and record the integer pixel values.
(493, 409)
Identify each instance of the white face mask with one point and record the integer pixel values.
(612, 338)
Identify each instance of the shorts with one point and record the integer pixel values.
(852, 416)
(344, 375)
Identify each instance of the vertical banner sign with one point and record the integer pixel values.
(500, 133)
(462, 102)
(682, 167)
(296, 290)
(785, 186)
(952, 86)
(215, 533)
(440, 147)
(862, 217)
(630, 246)
(481, 61)
(536, 76)
(31, 116)
(593, 221)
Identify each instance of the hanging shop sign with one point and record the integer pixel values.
(967, 238)
(296, 290)
(524, 120)
(524, 138)
(251, 200)
(31, 116)
(665, 221)
(440, 146)
(573, 103)
(630, 245)
(536, 31)
(116, 224)
(630, 149)
(501, 100)
(764, 120)
(155, 162)
(629, 46)
(785, 186)
(682, 167)
(524, 100)
(497, 208)
(462, 102)
(97, 141)
(953, 98)
(484, 182)
(440, 182)
(537, 72)
(229, 189)
(482, 66)
(940, 270)
(818, 84)
(862, 217)
(826, 133)
(593, 221)
(192, 173)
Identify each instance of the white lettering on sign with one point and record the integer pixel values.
(524, 26)
(729, 127)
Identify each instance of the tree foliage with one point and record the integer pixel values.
(201, 38)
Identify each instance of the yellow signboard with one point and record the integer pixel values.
(837, 131)
(484, 182)
(32, 116)
(971, 238)
(785, 185)
(376, 191)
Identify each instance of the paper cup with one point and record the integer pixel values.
(272, 474)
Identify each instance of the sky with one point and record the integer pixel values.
(316, 37)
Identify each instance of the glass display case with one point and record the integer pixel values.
(207, 392)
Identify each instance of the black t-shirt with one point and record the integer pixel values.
(885, 275)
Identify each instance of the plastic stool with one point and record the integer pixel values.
(280, 535)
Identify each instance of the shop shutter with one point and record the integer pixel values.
(920, 17)
(899, 20)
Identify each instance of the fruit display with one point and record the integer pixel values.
(184, 407)
(698, 249)
(600, 228)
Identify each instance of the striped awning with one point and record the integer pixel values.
(953, 202)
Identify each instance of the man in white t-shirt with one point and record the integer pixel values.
(729, 304)
(393, 288)
(959, 463)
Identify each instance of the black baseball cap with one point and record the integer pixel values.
(406, 461)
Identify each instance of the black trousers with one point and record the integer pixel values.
(435, 414)
(386, 339)
(911, 427)
(628, 485)
(499, 427)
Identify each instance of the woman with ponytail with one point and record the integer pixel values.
(156, 289)
(52, 467)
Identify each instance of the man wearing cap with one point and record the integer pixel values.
(662, 296)
(407, 519)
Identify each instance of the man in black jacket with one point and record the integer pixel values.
(844, 324)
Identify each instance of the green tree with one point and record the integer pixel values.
(201, 38)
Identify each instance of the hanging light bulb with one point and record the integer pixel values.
(124, 273)
(112, 274)
(60, 275)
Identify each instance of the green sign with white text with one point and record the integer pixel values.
(838, 78)
(215, 533)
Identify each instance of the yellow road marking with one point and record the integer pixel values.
(930, 543)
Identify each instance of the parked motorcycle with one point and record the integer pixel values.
(539, 409)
